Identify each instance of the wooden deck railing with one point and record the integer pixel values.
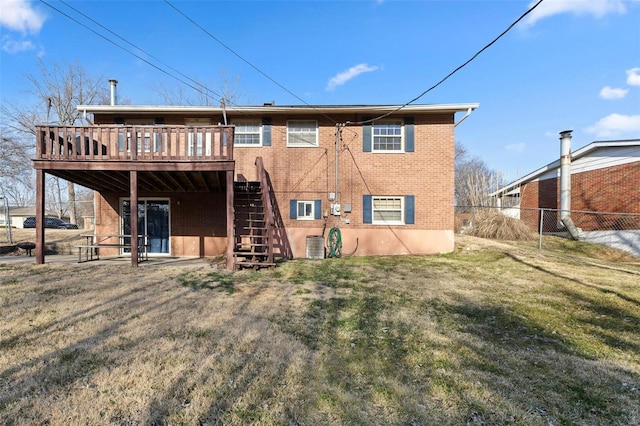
(266, 200)
(144, 143)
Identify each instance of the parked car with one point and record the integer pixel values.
(49, 222)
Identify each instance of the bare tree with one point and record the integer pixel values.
(59, 89)
(474, 181)
(227, 93)
(16, 177)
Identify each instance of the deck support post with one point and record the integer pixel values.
(133, 190)
(40, 175)
(230, 220)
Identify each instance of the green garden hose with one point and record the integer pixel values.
(335, 242)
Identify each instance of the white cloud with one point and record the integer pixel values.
(516, 147)
(12, 46)
(611, 93)
(596, 8)
(343, 77)
(20, 15)
(633, 77)
(614, 125)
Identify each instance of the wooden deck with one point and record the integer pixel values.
(136, 159)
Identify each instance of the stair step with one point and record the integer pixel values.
(253, 264)
(254, 245)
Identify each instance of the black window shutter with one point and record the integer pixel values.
(409, 209)
(317, 209)
(366, 136)
(266, 132)
(367, 209)
(293, 209)
(409, 135)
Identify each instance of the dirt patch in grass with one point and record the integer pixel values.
(494, 333)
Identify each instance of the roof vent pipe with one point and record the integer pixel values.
(113, 84)
(565, 173)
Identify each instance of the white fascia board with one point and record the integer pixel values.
(556, 164)
(270, 109)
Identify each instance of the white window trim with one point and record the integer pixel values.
(387, 222)
(303, 145)
(388, 151)
(312, 214)
(248, 123)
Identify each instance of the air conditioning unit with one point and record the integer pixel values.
(315, 247)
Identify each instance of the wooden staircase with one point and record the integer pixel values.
(253, 227)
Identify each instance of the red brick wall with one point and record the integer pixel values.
(197, 221)
(309, 174)
(611, 189)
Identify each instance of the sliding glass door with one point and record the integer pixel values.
(153, 222)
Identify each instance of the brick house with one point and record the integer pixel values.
(275, 178)
(605, 177)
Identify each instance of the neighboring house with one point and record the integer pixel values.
(605, 178)
(17, 215)
(273, 178)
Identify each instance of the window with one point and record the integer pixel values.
(142, 140)
(248, 134)
(388, 210)
(305, 210)
(387, 136)
(199, 139)
(302, 133)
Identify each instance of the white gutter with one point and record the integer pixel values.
(264, 109)
(464, 117)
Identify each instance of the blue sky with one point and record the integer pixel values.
(571, 64)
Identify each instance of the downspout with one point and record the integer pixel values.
(464, 117)
(565, 184)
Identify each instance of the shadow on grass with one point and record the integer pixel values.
(473, 362)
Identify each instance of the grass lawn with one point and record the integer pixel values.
(494, 333)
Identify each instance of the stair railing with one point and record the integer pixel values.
(266, 199)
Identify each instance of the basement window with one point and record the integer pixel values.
(305, 210)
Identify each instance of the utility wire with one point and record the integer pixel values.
(129, 51)
(264, 74)
(457, 69)
(234, 52)
(142, 50)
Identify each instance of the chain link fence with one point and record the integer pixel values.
(617, 230)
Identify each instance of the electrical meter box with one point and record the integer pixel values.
(335, 209)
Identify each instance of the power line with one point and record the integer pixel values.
(491, 43)
(129, 51)
(234, 52)
(142, 50)
(264, 74)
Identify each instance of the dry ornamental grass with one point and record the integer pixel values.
(494, 333)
